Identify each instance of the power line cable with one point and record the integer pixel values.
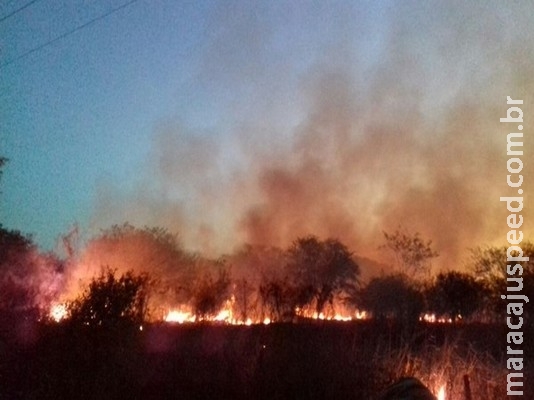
(68, 33)
(18, 10)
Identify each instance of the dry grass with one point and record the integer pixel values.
(447, 365)
(319, 360)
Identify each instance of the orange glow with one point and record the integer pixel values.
(58, 312)
(179, 317)
(223, 316)
(183, 313)
(441, 393)
(433, 319)
(361, 315)
(331, 315)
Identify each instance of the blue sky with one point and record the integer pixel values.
(171, 109)
(85, 108)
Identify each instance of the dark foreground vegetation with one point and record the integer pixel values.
(308, 360)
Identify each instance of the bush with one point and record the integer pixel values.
(455, 295)
(393, 296)
(110, 300)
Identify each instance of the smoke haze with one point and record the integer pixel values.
(340, 124)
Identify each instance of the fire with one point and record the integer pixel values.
(224, 315)
(441, 393)
(361, 315)
(179, 316)
(58, 312)
(432, 318)
(182, 313)
(330, 315)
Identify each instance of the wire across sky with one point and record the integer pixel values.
(63, 35)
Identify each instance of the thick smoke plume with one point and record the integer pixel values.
(362, 124)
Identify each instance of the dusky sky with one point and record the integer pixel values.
(232, 122)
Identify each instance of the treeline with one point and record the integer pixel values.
(137, 274)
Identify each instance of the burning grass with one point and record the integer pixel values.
(446, 369)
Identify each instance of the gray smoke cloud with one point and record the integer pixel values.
(341, 122)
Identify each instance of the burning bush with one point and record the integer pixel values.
(321, 270)
(29, 279)
(151, 250)
(110, 300)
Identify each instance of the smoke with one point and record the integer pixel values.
(340, 122)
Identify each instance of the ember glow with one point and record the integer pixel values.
(361, 315)
(225, 315)
(58, 312)
(432, 318)
(184, 315)
(441, 393)
(179, 317)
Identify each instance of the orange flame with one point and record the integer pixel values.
(58, 312)
(179, 316)
(441, 393)
(182, 313)
(432, 318)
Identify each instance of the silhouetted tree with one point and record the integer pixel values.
(393, 296)
(489, 266)
(255, 269)
(244, 300)
(320, 270)
(278, 299)
(110, 300)
(145, 250)
(412, 254)
(210, 294)
(454, 294)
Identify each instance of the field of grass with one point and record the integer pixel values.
(310, 360)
